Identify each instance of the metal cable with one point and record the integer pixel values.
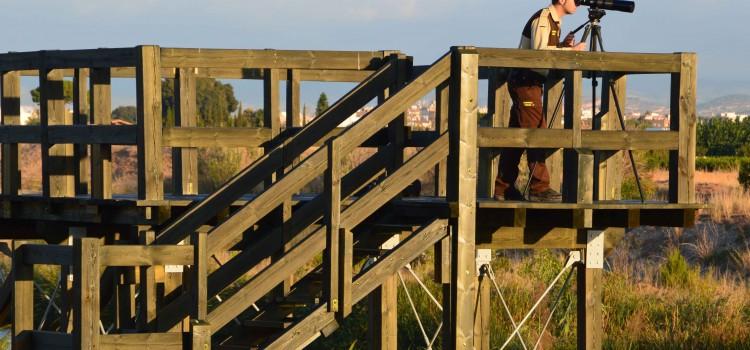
(505, 305)
(408, 268)
(554, 308)
(414, 309)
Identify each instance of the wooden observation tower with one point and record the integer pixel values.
(258, 240)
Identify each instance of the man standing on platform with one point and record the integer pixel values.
(542, 32)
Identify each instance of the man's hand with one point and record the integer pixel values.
(569, 40)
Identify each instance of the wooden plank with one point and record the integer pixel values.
(498, 112)
(147, 294)
(573, 60)
(184, 160)
(215, 137)
(526, 138)
(20, 134)
(103, 135)
(462, 182)
(608, 140)
(199, 287)
(294, 117)
(608, 176)
(528, 238)
(148, 84)
(167, 341)
(87, 271)
(482, 316)
(333, 175)
(51, 340)
(683, 119)
(333, 75)
(272, 59)
(81, 113)
(10, 107)
(382, 330)
(23, 298)
(57, 159)
(139, 255)
(95, 58)
(346, 261)
(43, 254)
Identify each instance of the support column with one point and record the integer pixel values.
(462, 191)
(185, 160)
(87, 272)
(149, 138)
(683, 119)
(553, 88)
(590, 317)
(382, 330)
(443, 277)
(498, 112)
(11, 115)
(81, 117)
(101, 114)
(609, 164)
(23, 299)
(57, 160)
(482, 316)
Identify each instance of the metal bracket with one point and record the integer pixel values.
(484, 257)
(595, 250)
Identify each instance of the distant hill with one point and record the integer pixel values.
(730, 103)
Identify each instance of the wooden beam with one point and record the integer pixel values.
(95, 58)
(553, 90)
(200, 335)
(346, 261)
(271, 59)
(51, 340)
(683, 119)
(498, 111)
(47, 254)
(87, 272)
(462, 178)
(140, 255)
(482, 315)
(11, 115)
(293, 116)
(609, 173)
(148, 84)
(143, 341)
(23, 298)
(572, 119)
(81, 114)
(215, 137)
(441, 126)
(184, 160)
(584, 61)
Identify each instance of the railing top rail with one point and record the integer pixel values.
(52, 59)
(573, 60)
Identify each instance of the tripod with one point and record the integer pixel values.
(594, 29)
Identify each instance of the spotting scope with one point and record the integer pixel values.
(614, 5)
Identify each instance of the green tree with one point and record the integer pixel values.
(127, 113)
(67, 92)
(322, 104)
(215, 102)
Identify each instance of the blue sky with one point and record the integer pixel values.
(715, 29)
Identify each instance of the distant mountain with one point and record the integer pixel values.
(738, 103)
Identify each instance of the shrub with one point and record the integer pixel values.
(744, 173)
(718, 163)
(215, 166)
(675, 272)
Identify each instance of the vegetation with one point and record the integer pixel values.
(322, 104)
(215, 102)
(126, 113)
(67, 92)
(723, 137)
(744, 174)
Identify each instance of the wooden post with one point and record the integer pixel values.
(590, 316)
(462, 187)
(200, 335)
(441, 125)
(200, 276)
(382, 330)
(333, 220)
(498, 112)
(57, 160)
(11, 115)
(482, 317)
(81, 117)
(23, 299)
(577, 162)
(293, 116)
(346, 257)
(553, 89)
(101, 114)
(147, 294)
(396, 128)
(443, 276)
(683, 119)
(125, 299)
(148, 83)
(87, 272)
(185, 160)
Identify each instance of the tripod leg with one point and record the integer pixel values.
(630, 152)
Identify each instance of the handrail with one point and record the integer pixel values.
(279, 157)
